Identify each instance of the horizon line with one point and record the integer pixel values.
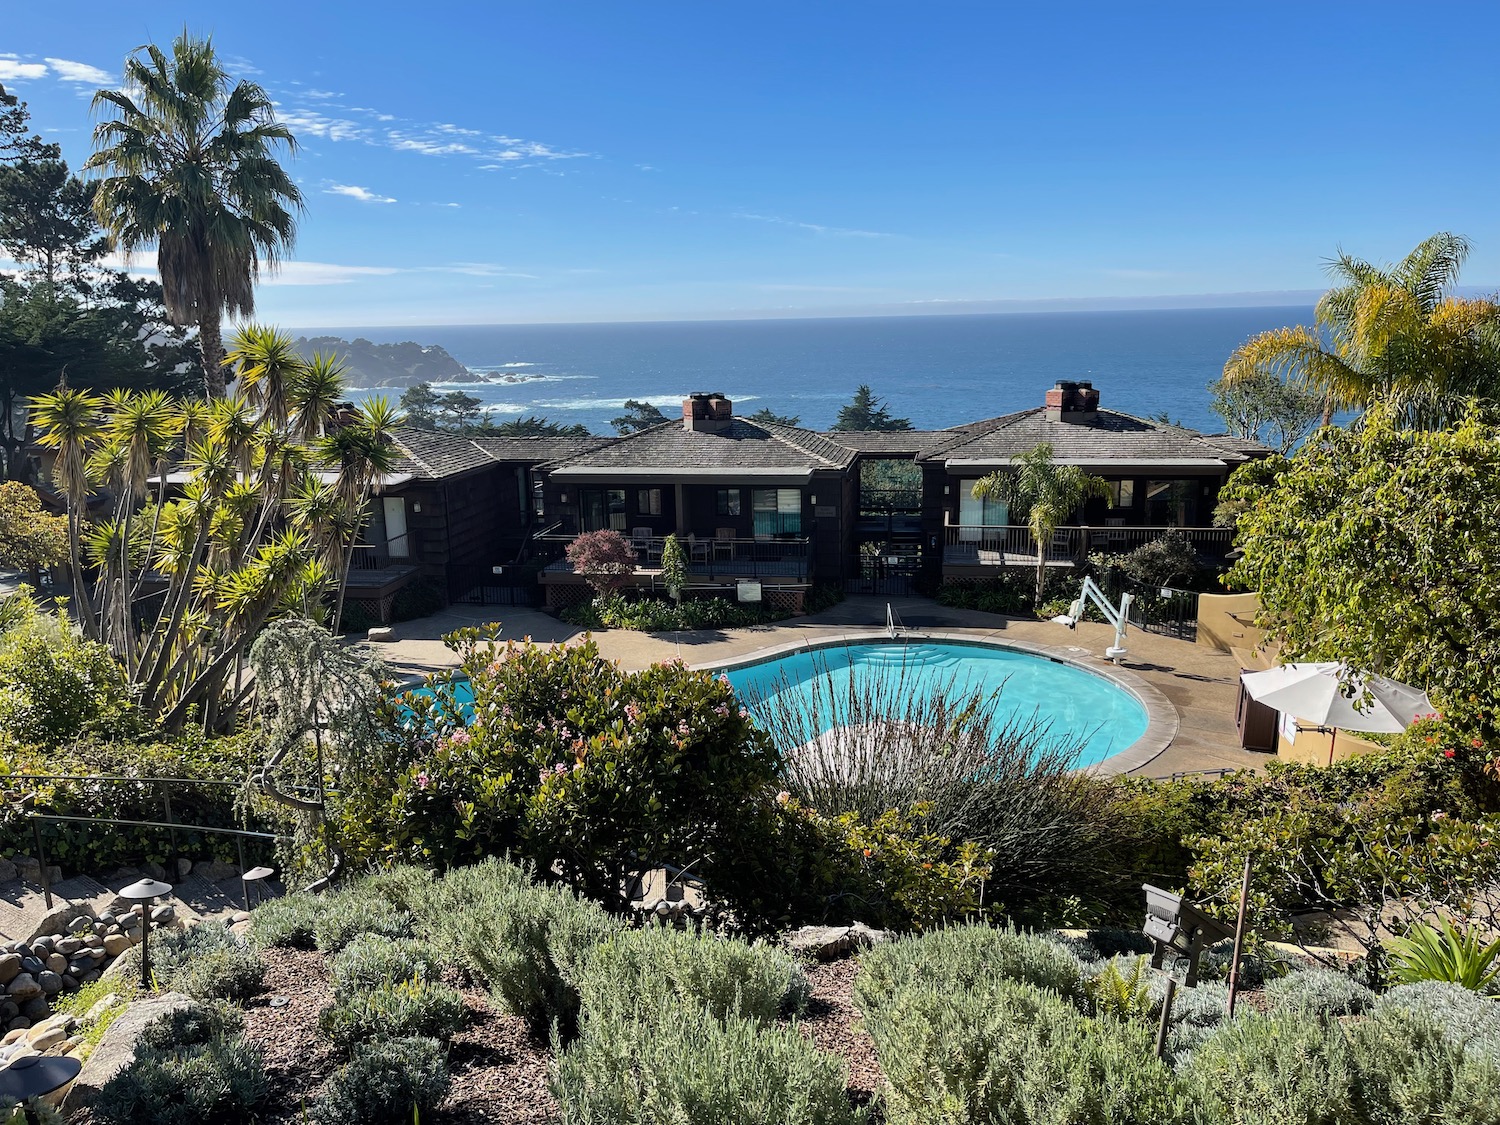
(1181, 302)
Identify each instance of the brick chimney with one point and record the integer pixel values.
(708, 413)
(1072, 401)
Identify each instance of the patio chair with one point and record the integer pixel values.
(723, 543)
(697, 552)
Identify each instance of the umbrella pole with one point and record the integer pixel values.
(1334, 737)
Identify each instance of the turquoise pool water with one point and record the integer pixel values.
(1079, 707)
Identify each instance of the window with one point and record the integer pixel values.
(1122, 494)
(603, 508)
(648, 502)
(728, 502)
(776, 511)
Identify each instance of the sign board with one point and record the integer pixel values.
(749, 591)
(497, 570)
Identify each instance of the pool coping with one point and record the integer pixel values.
(1162, 719)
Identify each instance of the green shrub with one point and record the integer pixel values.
(1465, 1018)
(192, 1025)
(82, 846)
(55, 684)
(655, 615)
(1319, 992)
(655, 971)
(1410, 1072)
(405, 886)
(289, 922)
(1122, 989)
(205, 961)
(372, 960)
(525, 942)
(1006, 1051)
(963, 958)
(394, 1082)
(353, 911)
(695, 1068)
(393, 1011)
(1288, 1069)
(568, 762)
(187, 1071)
(1445, 953)
(38, 1113)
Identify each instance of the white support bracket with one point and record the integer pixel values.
(1119, 616)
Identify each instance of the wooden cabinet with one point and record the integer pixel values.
(1256, 723)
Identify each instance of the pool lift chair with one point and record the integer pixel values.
(1118, 616)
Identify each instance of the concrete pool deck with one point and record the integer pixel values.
(1199, 683)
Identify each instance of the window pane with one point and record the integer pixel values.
(728, 502)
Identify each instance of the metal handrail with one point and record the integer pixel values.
(6, 777)
(240, 834)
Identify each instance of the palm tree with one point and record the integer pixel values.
(1389, 334)
(1047, 492)
(361, 453)
(190, 167)
(67, 421)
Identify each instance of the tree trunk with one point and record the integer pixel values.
(1041, 570)
(211, 344)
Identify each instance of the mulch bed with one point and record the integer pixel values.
(499, 1071)
(831, 1023)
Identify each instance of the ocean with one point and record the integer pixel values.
(938, 371)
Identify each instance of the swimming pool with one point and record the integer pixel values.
(1079, 707)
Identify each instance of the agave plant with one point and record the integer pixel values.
(1445, 953)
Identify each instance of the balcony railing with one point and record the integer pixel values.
(1012, 544)
(788, 559)
(379, 556)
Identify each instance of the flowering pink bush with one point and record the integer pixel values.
(603, 559)
(578, 766)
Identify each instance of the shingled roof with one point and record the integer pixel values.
(752, 448)
(434, 454)
(1107, 437)
(891, 443)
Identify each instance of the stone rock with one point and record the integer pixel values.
(10, 967)
(68, 946)
(239, 916)
(70, 982)
(832, 943)
(41, 946)
(184, 868)
(80, 923)
(116, 1050)
(154, 871)
(163, 914)
(100, 1006)
(18, 1022)
(381, 634)
(215, 871)
(8, 871)
(116, 944)
(49, 1037)
(52, 983)
(32, 964)
(23, 988)
(37, 1009)
(55, 921)
(9, 1009)
(28, 868)
(13, 1036)
(57, 963)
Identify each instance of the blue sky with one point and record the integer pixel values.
(518, 162)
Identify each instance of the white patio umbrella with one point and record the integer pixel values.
(1333, 696)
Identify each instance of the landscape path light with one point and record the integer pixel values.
(144, 892)
(1177, 927)
(255, 875)
(36, 1076)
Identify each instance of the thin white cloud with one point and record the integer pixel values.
(322, 95)
(69, 71)
(364, 195)
(14, 70)
(816, 228)
(427, 146)
(321, 273)
(478, 269)
(311, 123)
